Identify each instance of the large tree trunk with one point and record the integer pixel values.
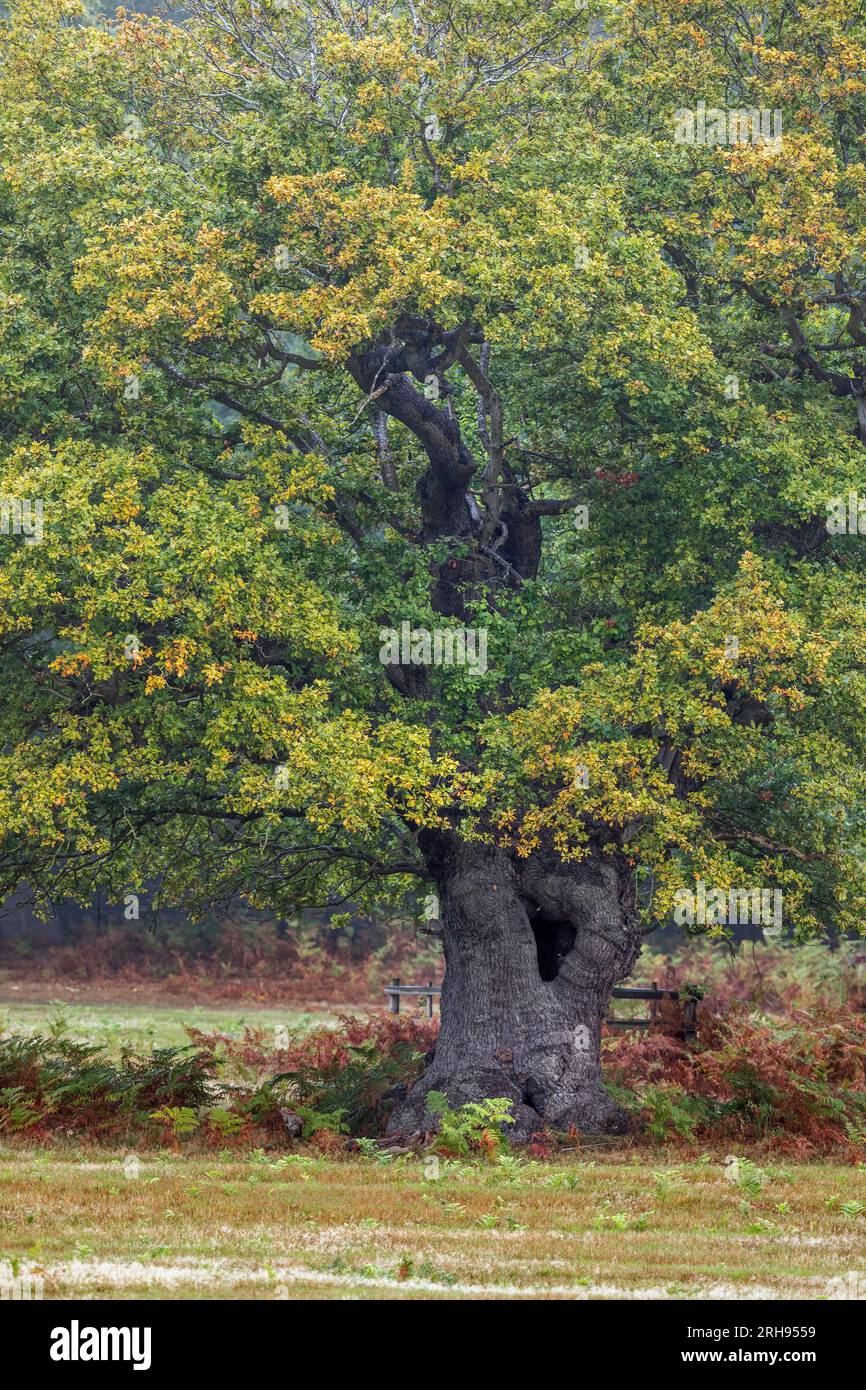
(533, 948)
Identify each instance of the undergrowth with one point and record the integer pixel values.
(219, 1089)
(796, 1083)
(790, 1077)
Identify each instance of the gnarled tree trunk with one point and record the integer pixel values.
(533, 948)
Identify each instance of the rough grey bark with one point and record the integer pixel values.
(532, 951)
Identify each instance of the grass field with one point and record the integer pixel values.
(596, 1222)
(115, 1026)
(311, 1226)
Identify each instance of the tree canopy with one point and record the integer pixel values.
(321, 317)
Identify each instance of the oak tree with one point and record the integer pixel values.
(419, 425)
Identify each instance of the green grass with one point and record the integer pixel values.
(115, 1026)
(595, 1223)
(304, 1225)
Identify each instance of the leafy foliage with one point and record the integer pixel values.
(796, 1083)
(177, 1120)
(62, 1083)
(477, 1125)
(231, 258)
(341, 1076)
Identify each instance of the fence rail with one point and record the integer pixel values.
(686, 1023)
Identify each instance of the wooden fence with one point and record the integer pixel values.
(685, 1023)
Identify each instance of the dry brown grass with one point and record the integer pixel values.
(308, 1226)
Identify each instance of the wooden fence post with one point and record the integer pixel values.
(690, 1017)
(394, 999)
